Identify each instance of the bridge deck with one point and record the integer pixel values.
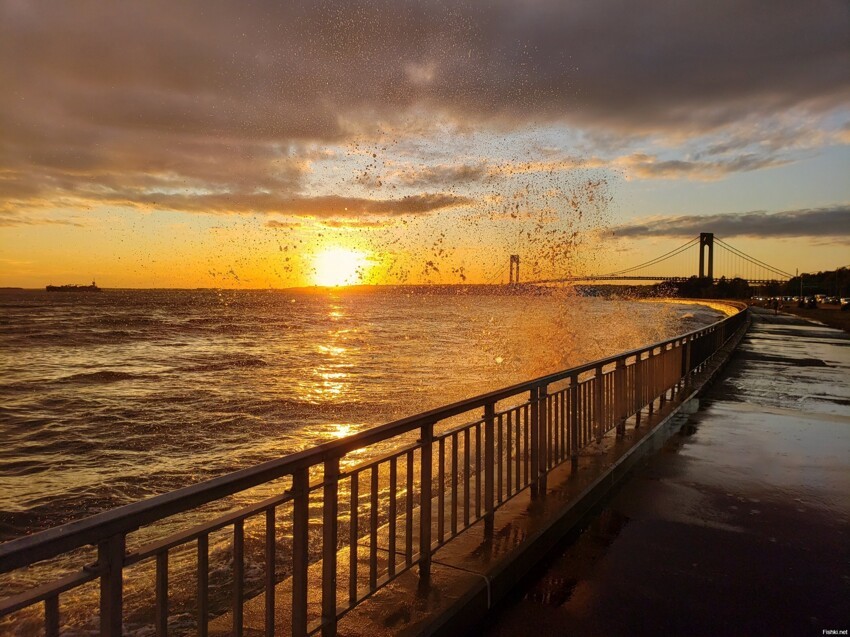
(741, 527)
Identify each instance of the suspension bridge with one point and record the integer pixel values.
(696, 257)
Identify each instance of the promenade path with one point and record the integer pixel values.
(739, 526)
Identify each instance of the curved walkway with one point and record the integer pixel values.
(740, 526)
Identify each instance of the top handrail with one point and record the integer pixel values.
(127, 518)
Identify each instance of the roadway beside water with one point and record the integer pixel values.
(740, 526)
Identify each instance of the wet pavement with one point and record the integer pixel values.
(739, 526)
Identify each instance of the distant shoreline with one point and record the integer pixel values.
(502, 288)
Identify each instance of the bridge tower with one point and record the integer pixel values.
(706, 240)
(514, 274)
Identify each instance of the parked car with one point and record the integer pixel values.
(808, 302)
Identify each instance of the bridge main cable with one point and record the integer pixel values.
(658, 259)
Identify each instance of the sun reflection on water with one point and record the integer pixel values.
(332, 379)
(331, 350)
(341, 430)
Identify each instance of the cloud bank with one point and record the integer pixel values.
(201, 106)
(808, 222)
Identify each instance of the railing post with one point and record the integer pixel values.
(203, 585)
(271, 574)
(687, 361)
(574, 441)
(620, 396)
(535, 441)
(678, 363)
(51, 616)
(110, 561)
(543, 437)
(682, 372)
(330, 511)
(676, 387)
(675, 369)
(671, 367)
(598, 390)
(300, 529)
(238, 591)
(425, 467)
(489, 466)
(664, 363)
(638, 405)
(651, 363)
(161, 612)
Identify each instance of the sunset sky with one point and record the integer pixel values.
(195, 144)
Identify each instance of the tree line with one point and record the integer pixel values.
(829, 282)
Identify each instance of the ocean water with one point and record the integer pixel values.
(109, 398)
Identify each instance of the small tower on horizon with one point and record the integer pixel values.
(513, 278)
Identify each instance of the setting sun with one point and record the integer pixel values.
(339, 266)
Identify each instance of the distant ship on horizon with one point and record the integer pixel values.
(73, 288)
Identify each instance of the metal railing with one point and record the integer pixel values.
(448, 469)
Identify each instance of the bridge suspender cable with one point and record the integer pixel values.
(753, 260)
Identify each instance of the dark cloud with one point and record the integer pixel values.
(443, 174)
(328, 206)
(272, 70)
(649, 167)
(283, 225)
(355, 223)
(135, 98)
(20, 220)
(833, 222)
(343, 222)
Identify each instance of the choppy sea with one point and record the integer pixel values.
(112, 397)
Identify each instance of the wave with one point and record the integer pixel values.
(130, 321)
(22, 468)
(102, 376)
(206, 320)
(26, 336)
(85, 378)
(241, 361)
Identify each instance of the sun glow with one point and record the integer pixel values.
(339, 266)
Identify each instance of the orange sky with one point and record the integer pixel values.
(234, 146)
